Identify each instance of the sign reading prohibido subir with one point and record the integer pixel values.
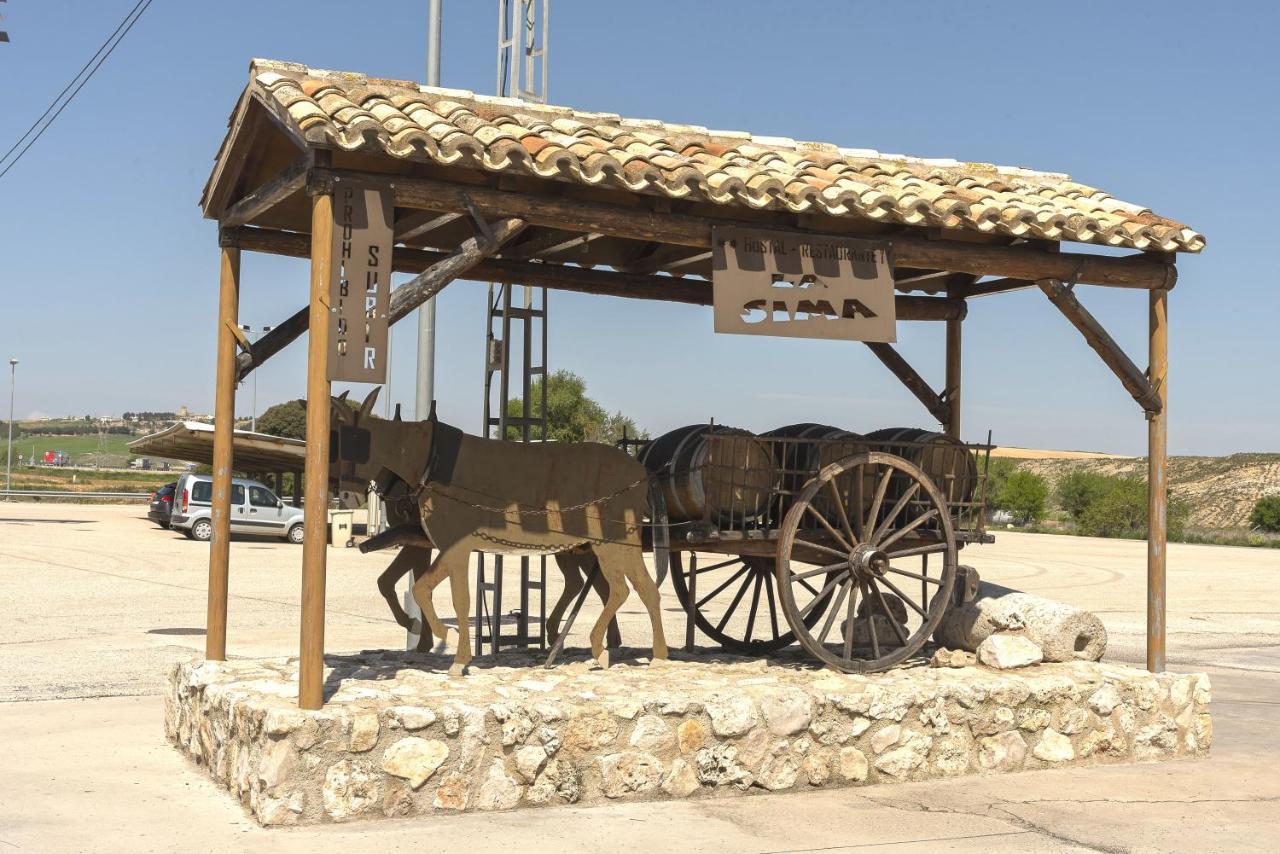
(360, 282)
(802, 285)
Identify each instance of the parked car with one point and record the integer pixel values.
(161, 507)
(255, 509)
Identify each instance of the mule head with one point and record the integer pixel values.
(365, 449)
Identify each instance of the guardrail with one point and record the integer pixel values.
(62, 493)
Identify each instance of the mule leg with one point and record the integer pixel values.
(571, 569)
(400, 565)
(612, 568)
(613, 639)
(638, 575)
(456, 561)
(422, 590)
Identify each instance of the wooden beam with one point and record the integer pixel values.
(547, 243)
(1103, 344)
(995, 286)
(638, 223)
(224, 416)
(417, 224)
(1157, 480)
(913, 381)
(315, 520)
(690, 291)
(431, 281)
(270, 194)
(952, 392)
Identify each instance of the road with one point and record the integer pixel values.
(96, 603)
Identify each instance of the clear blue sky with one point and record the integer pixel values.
(110, 273)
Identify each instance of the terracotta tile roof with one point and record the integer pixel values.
(452, 127)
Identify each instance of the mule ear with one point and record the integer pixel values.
(398, 418)
(342, 398)
(366, 408)
(431, 416)
(338, 409)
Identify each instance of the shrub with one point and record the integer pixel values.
(1023, 494)
(1121, 511)
(1077, 490)
(1266, 514)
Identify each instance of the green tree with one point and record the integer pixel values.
(998, 471)
(1266, 514)
(1024, 495)
(288, 419)
(1077, 490)
(572, 416)
(1121, 511)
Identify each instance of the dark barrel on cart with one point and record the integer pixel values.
(947, 462)
(724, 475)
(802, 450)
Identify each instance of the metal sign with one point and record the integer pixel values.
(360, 282)
(801, 285)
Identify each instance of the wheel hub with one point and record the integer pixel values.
(868, 562)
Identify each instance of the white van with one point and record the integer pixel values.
(255, 509)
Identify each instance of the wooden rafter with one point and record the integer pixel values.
(1133, 379)
(416, 225)
(684, 229)
(549, 243)
(995, 286)
(267, 196)
(915, 383)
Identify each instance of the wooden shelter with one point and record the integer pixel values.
(507, 191)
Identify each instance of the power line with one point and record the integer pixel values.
(96, 62)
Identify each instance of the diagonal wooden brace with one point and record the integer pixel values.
(893, 360)
(404, 299)
(1133, 379)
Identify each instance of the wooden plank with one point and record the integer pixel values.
(315, 542)
(638, 223)
(1103, 344)
(270, 194)
(470, 252)
(548, 243)
(893, 360)
(954, 352)
(1157, 480)
(224, 415)
(417, 224)
(995, 286)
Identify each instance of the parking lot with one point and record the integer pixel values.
(96, 603)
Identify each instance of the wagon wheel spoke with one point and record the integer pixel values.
(821, 597)
(894, 513)
(773, 608)
(848, 625)
(932, 548)
(821, 548)
(854, 536)
(721, 565)
(834, 611)
(909, 527)
(830, 528)
(755, 606)
(871, 625)
(809, 573)
(733, 606)
(714, 593)
(906, 599)
(915, 575)
(889, 618)
(881, 489)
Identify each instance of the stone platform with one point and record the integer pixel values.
(399, 737)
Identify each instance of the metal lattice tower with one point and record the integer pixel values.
(512, 309)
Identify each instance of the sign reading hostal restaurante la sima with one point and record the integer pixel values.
(802, 285)
(360, 282)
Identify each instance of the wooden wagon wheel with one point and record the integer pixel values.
(855, 526)
(745, 587)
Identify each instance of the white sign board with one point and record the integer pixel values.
(802, 285)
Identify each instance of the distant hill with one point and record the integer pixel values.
(1220, 490)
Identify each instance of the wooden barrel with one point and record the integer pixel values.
(819, 446)
(727, 481)
(946, 461)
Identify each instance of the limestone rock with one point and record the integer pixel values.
(529, 761)
(1054, 747)
(499, 791)
(1063, 632)
(630, 771)
(778, 773)
(952, 658)
(718, 766)
(651, 734)
(1008, 652)
(690, 735)
(1004, 752)
(281, 722)
(731, 714)
(1105, 699)
(453, 793)
(350, 789)
(412, 717)
(885, 738)
(817, 767)
(276, 763)
(415, 759)
(853, 764)
(787, 712)
(951, 754)
(591, 732)
(364, 732)
(682, 781)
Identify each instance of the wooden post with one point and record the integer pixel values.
(224, 415)
(953, 377)
(316, 503)
(1157, 481)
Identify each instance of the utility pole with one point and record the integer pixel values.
(8, 467)
(425, 389)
